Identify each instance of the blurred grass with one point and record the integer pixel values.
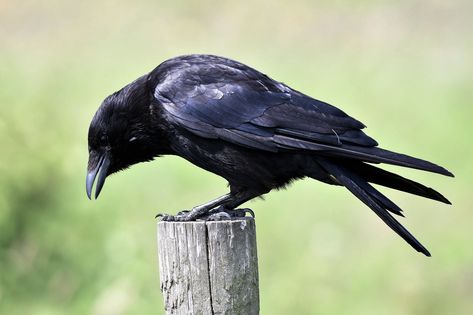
(402, 67)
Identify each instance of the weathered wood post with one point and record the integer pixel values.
(209, 267)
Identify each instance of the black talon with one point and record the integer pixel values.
(216, 214)
(180, 216)
(222, 213)
(248, 210)
(165, 217)
(183, 212)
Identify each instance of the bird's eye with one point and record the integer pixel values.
(103, 140)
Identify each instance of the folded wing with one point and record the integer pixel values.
(244, 107)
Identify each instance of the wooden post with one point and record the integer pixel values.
(209, 267)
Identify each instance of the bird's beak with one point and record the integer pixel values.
(98, 164)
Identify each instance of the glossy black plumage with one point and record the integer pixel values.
(257, 133)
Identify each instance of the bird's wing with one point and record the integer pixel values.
(251, 110)
(242, 106)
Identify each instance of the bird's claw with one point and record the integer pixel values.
(216, 214)
(248, 210)
(180, 216)
(222, 213)
(173, 218)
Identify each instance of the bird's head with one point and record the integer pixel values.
(119, 134)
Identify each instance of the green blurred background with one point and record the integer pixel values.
(402, 67)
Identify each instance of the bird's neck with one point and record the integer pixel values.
(160, 130)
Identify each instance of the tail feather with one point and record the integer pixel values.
(382, 199)
(373, 199)
(378, 155)
(382, 177)
(366, 154)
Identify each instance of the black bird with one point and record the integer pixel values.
(257, 133)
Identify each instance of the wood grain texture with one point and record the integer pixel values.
(209, 267)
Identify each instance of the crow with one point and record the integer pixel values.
(257, 133)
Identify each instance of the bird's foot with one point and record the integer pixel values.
(222, 213)
(216, 214)
(181, 216)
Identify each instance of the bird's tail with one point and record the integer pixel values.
(384, 178)
(356, 152)
(378, 155)
(356, 181)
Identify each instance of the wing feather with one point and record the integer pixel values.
(248, 101)
(230, 101)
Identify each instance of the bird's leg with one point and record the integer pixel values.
(201, 210)
(227, 211)
(220, 208)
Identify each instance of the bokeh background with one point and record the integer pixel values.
(402, 67)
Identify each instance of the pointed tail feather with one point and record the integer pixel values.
(366, 154)
(373, 199)
(382, 177)
(390, 157)
(378, 155)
